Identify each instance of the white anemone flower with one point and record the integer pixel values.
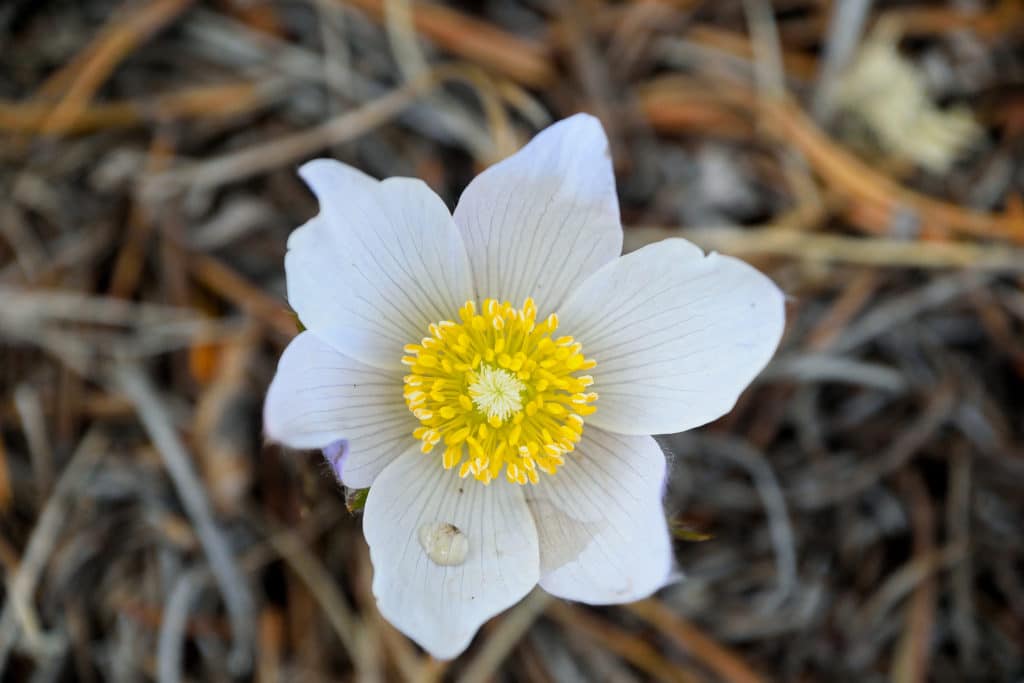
(494, 377)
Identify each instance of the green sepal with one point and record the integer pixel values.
(298, 323)
(355, 499)
(686, 531)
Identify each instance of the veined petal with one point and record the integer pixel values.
(539, 222)
(603, 535)
(379, 263)
(677, 336)
(441, 606)
(320, 396)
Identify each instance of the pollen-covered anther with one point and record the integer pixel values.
(499, 392)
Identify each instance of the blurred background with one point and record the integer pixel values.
(857, 517)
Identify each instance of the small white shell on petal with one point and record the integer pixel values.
(441, 605)
(444, 543)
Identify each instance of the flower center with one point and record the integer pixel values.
(499, 391)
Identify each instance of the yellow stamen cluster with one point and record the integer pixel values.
(499, 392)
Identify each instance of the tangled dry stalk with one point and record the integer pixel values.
(860, 512)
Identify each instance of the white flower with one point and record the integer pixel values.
(501, 453)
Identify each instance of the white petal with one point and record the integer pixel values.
(320, 396)
(442, 606)
(677, 336)
(542, 220)
(379, 263)
(603, 535)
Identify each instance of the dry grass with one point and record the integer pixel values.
(861, 507)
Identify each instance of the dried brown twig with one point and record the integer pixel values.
(858, 508)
